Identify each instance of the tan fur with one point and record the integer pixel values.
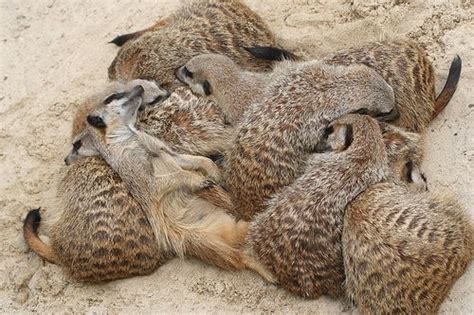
(204, 26)
(164, 182)
(281, 129)
(404, 247)
(96, 204)
(407, 68)
(224, 82)
(297, 237)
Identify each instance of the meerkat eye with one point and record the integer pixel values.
(113, 97)
(206, 87)
(408, 171)
(77, 145)
(96, 121)
(187, 73)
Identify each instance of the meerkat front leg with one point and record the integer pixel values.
(199, 163)
(153, 144)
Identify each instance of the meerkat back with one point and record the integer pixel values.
(406, 67)
(298, 236)
(404, 250)
(102, 233)
(207, 26)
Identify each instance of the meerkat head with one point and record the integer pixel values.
(362, 90)
(405, 156)
(82, 144)
(117, 111)
(342, 132)
(204, 72)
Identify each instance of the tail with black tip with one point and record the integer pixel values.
(122, 39)
(30, 233)
(449, 88)
(271, 53)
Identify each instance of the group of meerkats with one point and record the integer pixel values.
(213, 142)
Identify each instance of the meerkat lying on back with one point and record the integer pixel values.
(405, 66)
(404, 247)
(280, 129)
(160, 180)
(96, 203)
(205, 26)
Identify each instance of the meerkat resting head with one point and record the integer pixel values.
(82, 144)
(204, 73)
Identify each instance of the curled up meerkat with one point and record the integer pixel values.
(405, 65)
(102, 233)
(202, 26)
(280, 130)
(163, 182)
(297, 236)
(404, 247)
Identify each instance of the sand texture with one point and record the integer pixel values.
(54, 53)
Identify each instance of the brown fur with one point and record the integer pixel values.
(205, 26)
(404, 247)
(298, 236)
(224, 82)
(407, 68)
(95, 201)
(102, 233)
(279, 131)
(164, 182)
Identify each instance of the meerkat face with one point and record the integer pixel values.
(153, 94)
(369, 93)
(82, 146)
(119, 109)
(203, 72)
(405, 154)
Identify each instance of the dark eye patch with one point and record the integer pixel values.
(187, 73)
(409, 170)
(77, 145)
(113, 97)
(206, 87)
(96, 121)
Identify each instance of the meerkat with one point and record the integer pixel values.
(161, 181)
(298, 236)
(205, 26)
(102, 233)
(404, 247)
(279, 131)
(405, 65)
(221, 80)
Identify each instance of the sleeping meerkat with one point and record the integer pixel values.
(404, 247)
(404, 64)
(224, 82)
(102, 233)
(280, 130)
(204, 26)
(163, 183)
(297, 237)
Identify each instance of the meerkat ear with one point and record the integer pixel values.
(96, 121)
(393, 141)
(207, 88)
(337, 137)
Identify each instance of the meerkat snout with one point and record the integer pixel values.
(337, 137)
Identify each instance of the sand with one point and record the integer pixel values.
(54, 53)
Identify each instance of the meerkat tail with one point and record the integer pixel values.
(450, 86)
(30, 233)
(213, 250)
(271, 53)
(122, 39)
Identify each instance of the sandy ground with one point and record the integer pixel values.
(53, 53)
